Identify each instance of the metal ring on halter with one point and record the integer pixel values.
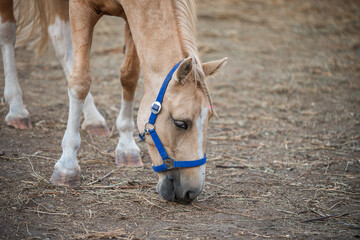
(148, 129)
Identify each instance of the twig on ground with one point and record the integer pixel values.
(117, 233)
(293, 180)
(115, 186)
(112, 132)
(334, 205)
(324, 217)
(350, 225)
(111, 155)
(286, 211)
(85, 229)
(231, 166)
(38, 156)
(49, 213)
(155, 204)
(36, 174)
(27, 229)
(103, 177)
(244, 232)
(45, 193)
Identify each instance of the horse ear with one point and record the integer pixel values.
(210, 68)
(181, 74)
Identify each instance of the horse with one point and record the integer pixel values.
(174, 112)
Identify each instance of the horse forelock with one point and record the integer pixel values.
(185, 11)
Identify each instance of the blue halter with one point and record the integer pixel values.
(169, 163)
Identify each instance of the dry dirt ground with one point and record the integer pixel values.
(289, 106)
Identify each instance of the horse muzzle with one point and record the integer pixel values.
(177, 188)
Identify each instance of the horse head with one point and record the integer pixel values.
(181, 127)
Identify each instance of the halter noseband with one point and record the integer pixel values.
(169, 163)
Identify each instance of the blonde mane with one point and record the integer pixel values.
(185, 11)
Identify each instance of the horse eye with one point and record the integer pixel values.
(180, 124)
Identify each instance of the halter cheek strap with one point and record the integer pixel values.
(168, 162)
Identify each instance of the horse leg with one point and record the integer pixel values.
(18, 116)
(60, 35)
(127, 152)
(83, 20)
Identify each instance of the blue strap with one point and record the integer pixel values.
(160, 168)
(181, 164)
(158, 144)
(161, 94)
(141, 137)
(187, 164)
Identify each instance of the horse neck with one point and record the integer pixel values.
(157, 40)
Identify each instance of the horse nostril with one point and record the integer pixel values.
(189, 196)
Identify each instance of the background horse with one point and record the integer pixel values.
(157, 36)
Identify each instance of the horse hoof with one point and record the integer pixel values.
(67, 178)
(131, 159)
(19, 123)
(97, 130)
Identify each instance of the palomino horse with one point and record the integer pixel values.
(173, 113)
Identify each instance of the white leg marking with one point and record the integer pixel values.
(125, 126)
(12, 93)
(60, 35)
(200, 123)
(91, 114)
(71, 141)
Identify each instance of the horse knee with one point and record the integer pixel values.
(7, 33)
(80, 84)
(129, 85)
(7, 25)
(130, 73)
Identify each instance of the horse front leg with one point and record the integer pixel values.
(60, 35)
(127, 152)
(83, 20)
(18, 116)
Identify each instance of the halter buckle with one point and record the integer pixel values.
(169, 163)
(155, 107)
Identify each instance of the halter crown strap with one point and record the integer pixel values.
(168, 163)
(160, 97)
